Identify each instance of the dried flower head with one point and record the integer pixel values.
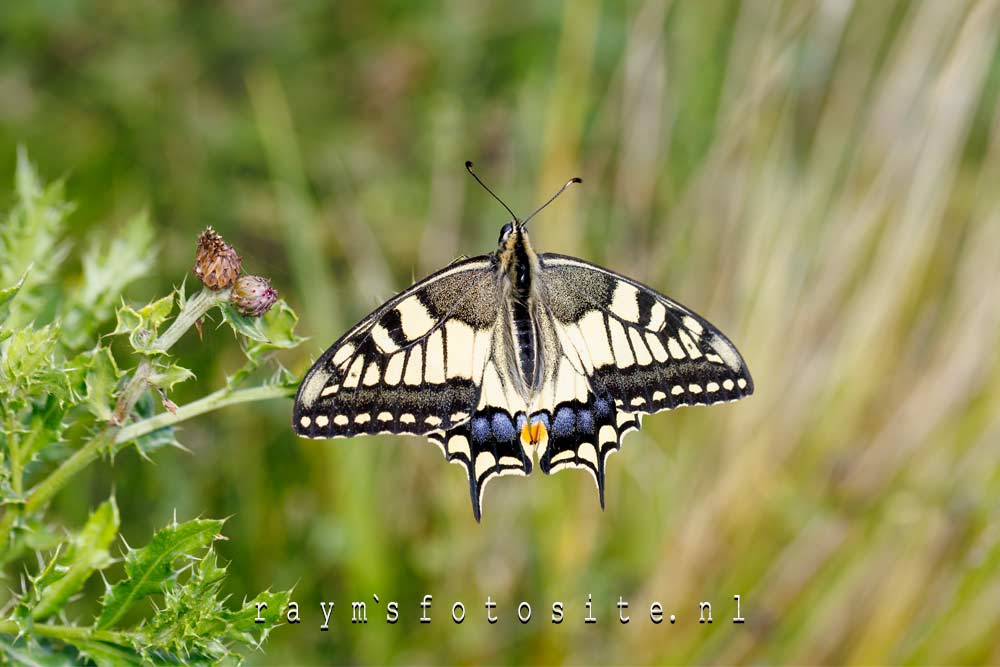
(217, 265)
(253, 296)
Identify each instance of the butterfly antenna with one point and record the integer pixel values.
(552, 199)
(468, 165)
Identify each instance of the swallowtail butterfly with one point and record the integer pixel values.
(515, 357)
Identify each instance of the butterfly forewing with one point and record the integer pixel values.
(639, 352)
(413, 366)
(648, 352)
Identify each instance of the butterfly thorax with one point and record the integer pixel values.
(518, 266)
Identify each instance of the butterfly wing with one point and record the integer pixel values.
(488, 445)
(438, 360)
(427, 362)
(639, 352)
(412, 366)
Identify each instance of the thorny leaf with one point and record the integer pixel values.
(88, 551)
(148, 568)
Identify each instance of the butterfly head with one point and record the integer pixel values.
(511, 234)
(513, 247)
(505, 233)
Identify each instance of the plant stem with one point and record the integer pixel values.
(131, 393)
(213, 401)
(194, 309)
(80, 459)
(44, 490)
(114, 436)
(67, 633)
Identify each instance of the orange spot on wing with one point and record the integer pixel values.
(533, 433)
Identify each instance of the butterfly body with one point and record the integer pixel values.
(516, 358)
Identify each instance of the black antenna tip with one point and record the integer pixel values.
(576, 179)
(468, 167)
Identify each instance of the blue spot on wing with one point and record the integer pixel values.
(542, 417)
(521, 421)
(503, 427)
(602, 408)
(480, 429)
(564, 423)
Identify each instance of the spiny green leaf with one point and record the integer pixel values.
(244, 619)
(248, 327)
(156, 312)
(7, 294)
(149, 568)
(88, 552)
(165, 375)
(37, 535)
(30, 236)
(31, 534)
(128, 320)
(278, 326)
(26, 178)
(28, 351)
(27, 363)
(194, 618)
(45, 426)
(158, 439)
(108, 267)
(100, 380)
(141, 325)
(273, 330)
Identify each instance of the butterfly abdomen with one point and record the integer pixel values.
(519, 262)
(525, 337)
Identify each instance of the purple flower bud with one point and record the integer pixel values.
(253, 296)
(217, 265)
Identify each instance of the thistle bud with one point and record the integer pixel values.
(217, 265)
(253, 296)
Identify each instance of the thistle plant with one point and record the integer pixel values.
(67, 401)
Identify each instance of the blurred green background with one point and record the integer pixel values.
(819, 179)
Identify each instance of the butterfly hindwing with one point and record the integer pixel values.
(583, 434)
(487, 446)
(412, 366)
(491, 443)
(583, 426)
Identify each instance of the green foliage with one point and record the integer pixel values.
(86, 552)
(108, 266)
(147, 569)
(194, 621)
(66, 400)
(101, 379)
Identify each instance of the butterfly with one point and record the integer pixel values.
(518, 357)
